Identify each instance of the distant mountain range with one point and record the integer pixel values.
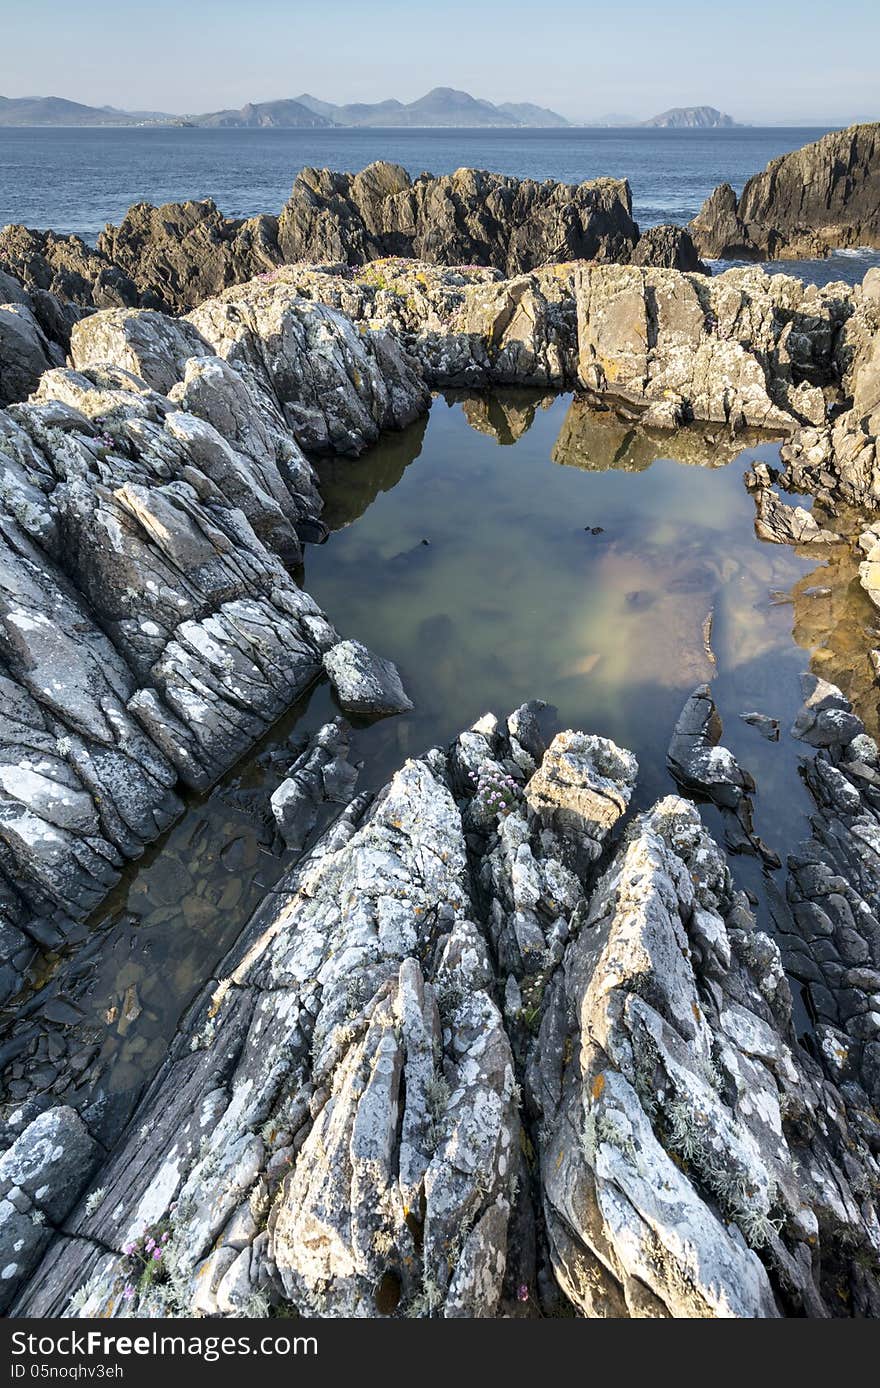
(443, 107)
(55, 110)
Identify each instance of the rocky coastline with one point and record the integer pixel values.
(823, 197)
(495, 1041)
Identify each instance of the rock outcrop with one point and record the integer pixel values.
(175, 256)
(464, 218)
(482, 1056)
(836, 458)
(149, 629)
(816, 199)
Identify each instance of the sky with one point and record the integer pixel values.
(782, 61)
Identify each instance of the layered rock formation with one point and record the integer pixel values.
(816, 199)
(484, 1056)
(151, 631)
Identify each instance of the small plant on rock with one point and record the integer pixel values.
(147, 1260)
(494, 793)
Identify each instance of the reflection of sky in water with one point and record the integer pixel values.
(579, 564)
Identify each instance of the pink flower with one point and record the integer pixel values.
(128, 1291)
(157, 1254)
(522, 1292)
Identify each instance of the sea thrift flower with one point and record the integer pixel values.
(128, 1291)
(522, 1292)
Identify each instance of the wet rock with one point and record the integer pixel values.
(321, 773)
(826, 718)
(363, 682)
(697, 761)
(766, 726)
(700, 765)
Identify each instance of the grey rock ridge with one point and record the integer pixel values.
(485, 1058)
(175, 256)
(823, 196)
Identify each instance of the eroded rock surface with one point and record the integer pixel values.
(461, 1067)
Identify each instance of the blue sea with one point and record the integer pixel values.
(76, 180)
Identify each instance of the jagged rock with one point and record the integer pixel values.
(151, 345)
(320, 773)
(806, 203)
(581, 788)
(668, 1077)
(788, 525)
(837, 460)
(182, 253)
(146, 511)
(670, 247)
(65, 267)
(337, 387)
(698, 762)
(365, 683)
(467, 217)
(80, 784)
(700, 765)
(829, 924)
(24, 352)
(41, 1175)
(352, 1077)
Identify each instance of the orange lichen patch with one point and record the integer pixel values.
(698, 1016)
(598, 1086)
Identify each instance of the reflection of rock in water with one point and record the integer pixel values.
(505, 415)
(350, 485)
(600, 440)
(835, 619)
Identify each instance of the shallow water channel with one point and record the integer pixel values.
(506, 548)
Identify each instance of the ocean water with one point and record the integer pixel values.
(75, 181)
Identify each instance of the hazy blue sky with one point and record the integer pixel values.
(785, 60)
